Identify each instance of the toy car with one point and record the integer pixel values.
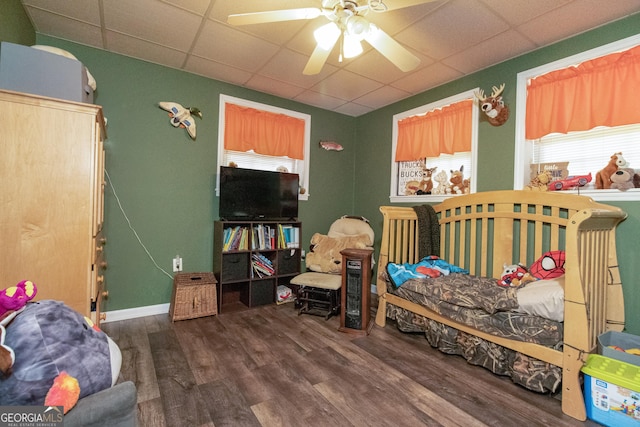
(570, 182)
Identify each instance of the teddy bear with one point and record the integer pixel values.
(325, 256)
(623, 179)
(459, 185)
(603, 176)
(443, 183)
(540, 182)
(426, 185)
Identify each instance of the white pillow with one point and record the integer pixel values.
(544, 298)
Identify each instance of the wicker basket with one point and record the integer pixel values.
(194, 295)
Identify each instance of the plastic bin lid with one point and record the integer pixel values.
(613, 371)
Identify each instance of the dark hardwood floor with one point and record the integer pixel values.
(270, 367)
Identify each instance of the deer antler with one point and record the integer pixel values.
(480, 95)
(497, 91)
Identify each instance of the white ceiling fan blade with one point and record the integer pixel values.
(399, 4)
(390, 48)
(274, 16)
(320, 55)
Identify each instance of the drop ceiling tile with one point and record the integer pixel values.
(217, 71)
(141, 49)
(517, 12)
(83, 10)
(484, 53)
(227, 45)
(346, 85)
(274, 87)
(319, 100)
(376, 67)
(153, 21)
(457, 25)
(575, 17)
(198, 7)
(431, 76)
(353, 109)
(287, 66)
(381, 97)
(65, 28)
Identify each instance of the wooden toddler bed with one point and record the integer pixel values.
(481, 232)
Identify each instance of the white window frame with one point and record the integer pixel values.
(423, 109)
(224, 99)
(524, 151)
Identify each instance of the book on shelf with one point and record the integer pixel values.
(235, 239)
(262, 266)
(290, 236)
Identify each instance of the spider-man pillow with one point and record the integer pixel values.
(548, 266)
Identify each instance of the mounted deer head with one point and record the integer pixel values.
(493, 106)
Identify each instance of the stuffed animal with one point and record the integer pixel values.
(325, 256)
(514, 275)
(603, 176)
(443, 183)
(459, 185)
(426, 185)
(7, 356)
(16, 297)
(622, 179)
(48, 338)
(540, 182)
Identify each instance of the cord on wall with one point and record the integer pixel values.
(135, 233)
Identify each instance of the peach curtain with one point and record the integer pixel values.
(442, 131)
(266, 133)
(599, 92)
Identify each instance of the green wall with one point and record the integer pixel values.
(496, 146)
(165, 182)
(15, 26)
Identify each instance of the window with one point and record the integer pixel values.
(444, 140)
(582, 142)
(246, 155)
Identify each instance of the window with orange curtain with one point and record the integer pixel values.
(430, 143)
(577, 112)
(263, 132)
(252, 135)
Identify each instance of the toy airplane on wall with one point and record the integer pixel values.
(181, 116)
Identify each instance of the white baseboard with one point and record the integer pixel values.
(152, 310)
(132, 313)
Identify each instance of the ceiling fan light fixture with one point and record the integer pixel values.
(357, 26)
(327, 35)
(351, 46)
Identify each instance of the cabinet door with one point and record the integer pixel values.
(47, 172)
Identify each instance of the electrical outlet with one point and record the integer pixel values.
(177, 264)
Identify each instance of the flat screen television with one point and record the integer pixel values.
(254, 194)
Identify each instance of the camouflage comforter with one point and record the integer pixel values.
(480, 303)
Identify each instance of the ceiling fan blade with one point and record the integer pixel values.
(399, 4)
(319, 57)
(390, 48)
(274, 16)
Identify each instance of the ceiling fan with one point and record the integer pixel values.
(348, 24)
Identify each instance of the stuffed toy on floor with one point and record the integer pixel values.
(59, 355)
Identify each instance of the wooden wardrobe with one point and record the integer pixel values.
(52, 198)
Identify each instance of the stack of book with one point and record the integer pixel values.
(236, 239)
(262, 266)
(289, 236)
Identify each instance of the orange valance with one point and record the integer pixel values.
(599, 92)
(442, 131)
(266, 133)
